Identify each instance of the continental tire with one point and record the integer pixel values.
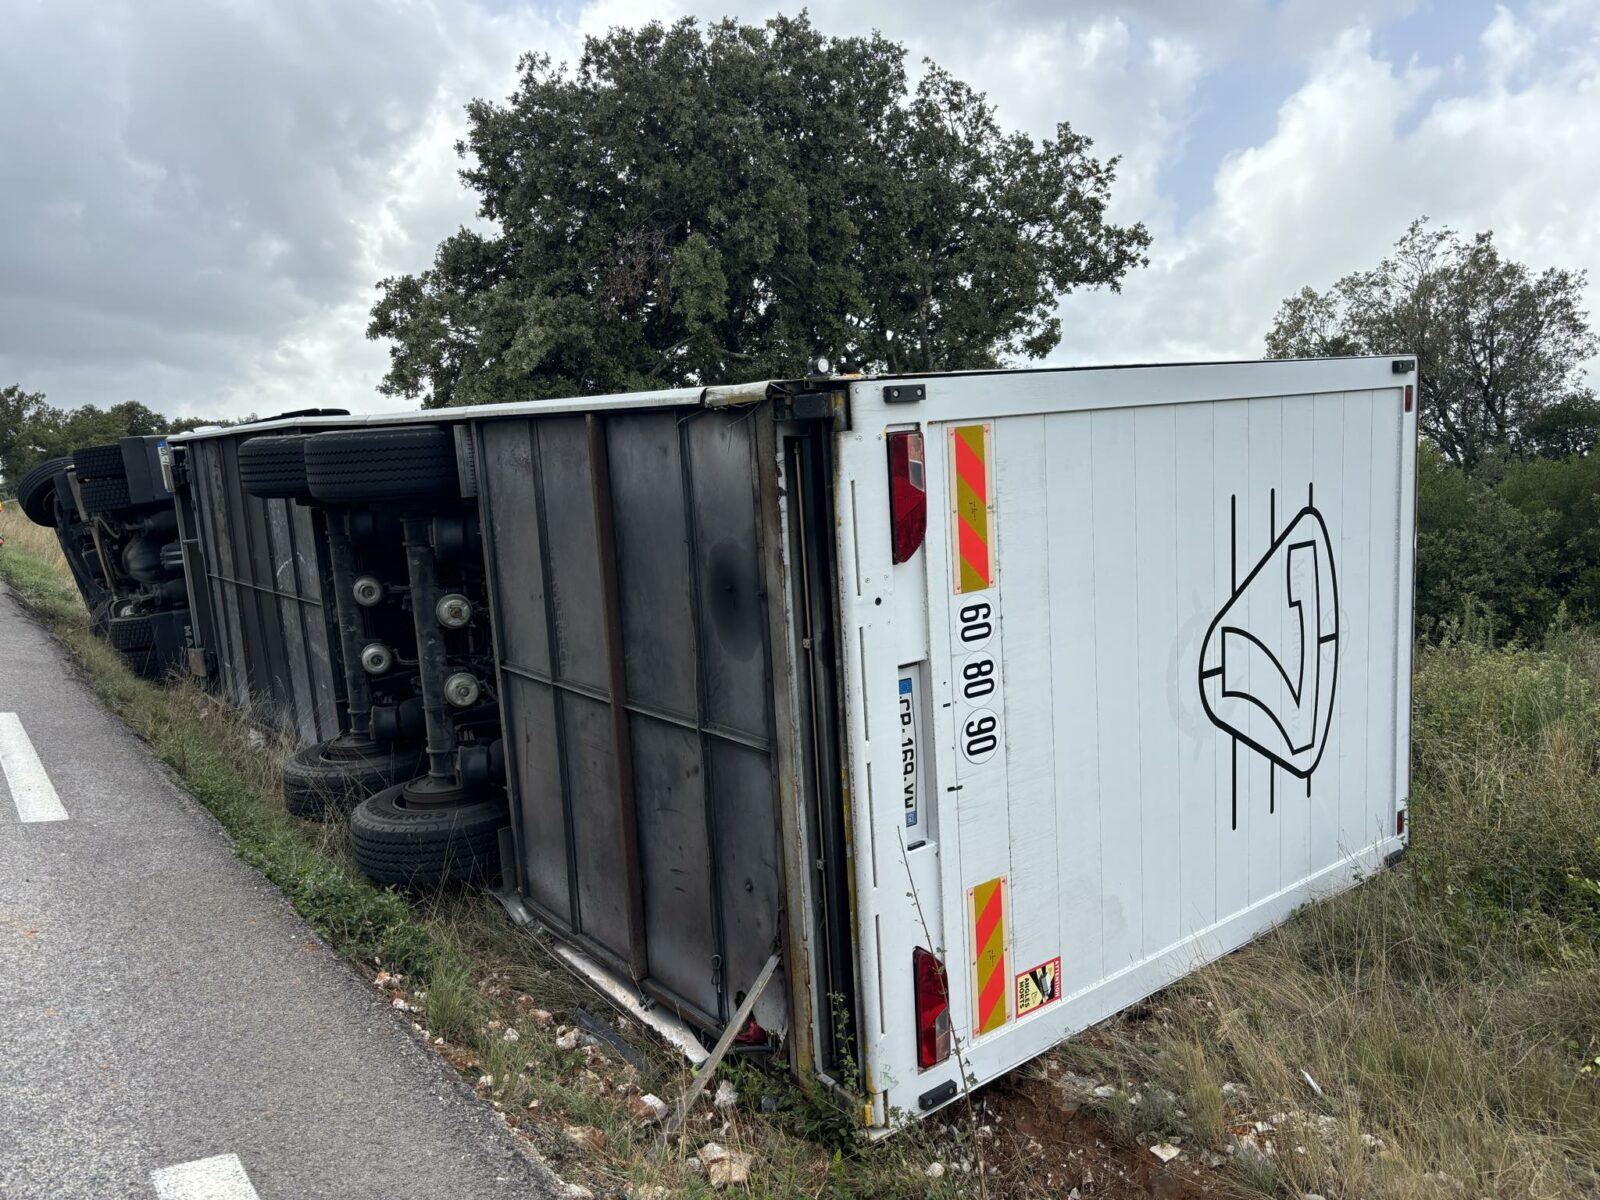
(421, 846)
(275, 467)
(131, 633)
(100, 462)
(104, 495)
(37, 491)
(366, 465)
(318, 782)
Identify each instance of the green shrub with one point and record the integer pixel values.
(1505, 789)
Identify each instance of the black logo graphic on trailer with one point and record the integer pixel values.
(1269, 664)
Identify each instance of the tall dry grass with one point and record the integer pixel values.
(1446, 1011)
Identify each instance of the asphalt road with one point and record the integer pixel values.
(162, 1004)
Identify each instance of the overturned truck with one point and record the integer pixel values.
(981, 704)
(114, 518)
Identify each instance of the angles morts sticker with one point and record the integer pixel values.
(1039, 986)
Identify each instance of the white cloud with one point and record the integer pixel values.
(199, 201)
(1361, 148)
(1508, 45)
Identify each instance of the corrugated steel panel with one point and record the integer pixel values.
(690, 790)
(264, 566)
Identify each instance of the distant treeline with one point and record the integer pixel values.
(32, 430)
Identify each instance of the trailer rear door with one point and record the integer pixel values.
(1156, 648)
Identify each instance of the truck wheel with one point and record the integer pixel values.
(104, 495)
(37, 491)
(360, 466)
(275, 467)
(335, 776)
(145, 662)
(425, 844)
(131, 633)
(100, 462)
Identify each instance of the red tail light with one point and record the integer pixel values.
(908, 493)
(933, 1009)
(1408, 397)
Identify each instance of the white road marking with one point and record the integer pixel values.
(219, 1178)
(31, 789)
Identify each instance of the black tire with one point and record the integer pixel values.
(145, 662)
(131, 633)
(100, 462)
(37, 491)
(322, 780)
(275, 467)
(365, 465)
(104, 495)
(419, 846)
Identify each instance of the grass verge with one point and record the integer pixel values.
(1434, 1032)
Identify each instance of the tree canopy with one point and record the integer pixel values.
(698, 204)
(1501, 350)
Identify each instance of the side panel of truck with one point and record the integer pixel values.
(627, 565)
(1162, 655)
(262, 565)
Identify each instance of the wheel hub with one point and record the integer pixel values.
(428, 792)
(347, 747)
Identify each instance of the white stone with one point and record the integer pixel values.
(725, 1167)
(648, 1108)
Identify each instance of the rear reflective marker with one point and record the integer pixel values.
(987, 905)
(970, 490)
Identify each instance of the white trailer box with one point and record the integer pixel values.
(1143, 690)
(989, 703)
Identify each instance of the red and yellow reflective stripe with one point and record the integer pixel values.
(987, 904)
(969, 456)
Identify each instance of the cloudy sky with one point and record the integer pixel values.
(197, 198)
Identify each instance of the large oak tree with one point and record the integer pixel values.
(706, 204)
(1501, 349)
